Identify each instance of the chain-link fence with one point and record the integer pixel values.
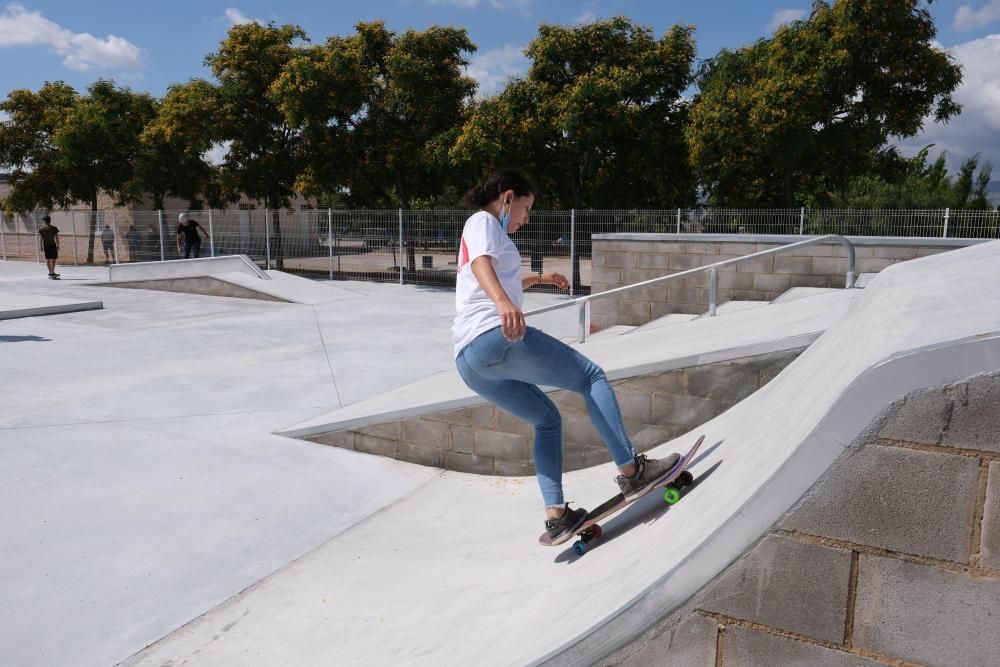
(422, 246)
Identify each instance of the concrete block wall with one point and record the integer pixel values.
(625, 259)
(487, 440)
(893, 557)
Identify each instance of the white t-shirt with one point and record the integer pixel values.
(476, 312)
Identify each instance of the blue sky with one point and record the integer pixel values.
(148, 46)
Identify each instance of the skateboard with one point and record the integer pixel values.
(674, 480)
(54, 276)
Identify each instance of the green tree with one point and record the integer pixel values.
(173, 147)
(65, 148)
(263, 157)
(598, 120)
(790, 117)
(378, 112)
(28, 148)
(920, 186)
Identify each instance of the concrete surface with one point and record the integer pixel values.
(149, 451)
(401, 587)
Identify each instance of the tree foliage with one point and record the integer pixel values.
(599, 118)
(791, 116)
(920, 185)
(174, 144)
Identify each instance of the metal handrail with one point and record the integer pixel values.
(584, 302)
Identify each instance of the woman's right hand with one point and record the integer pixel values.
(511, 321)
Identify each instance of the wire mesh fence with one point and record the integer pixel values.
(422, 246)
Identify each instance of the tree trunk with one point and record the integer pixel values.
(789, 195)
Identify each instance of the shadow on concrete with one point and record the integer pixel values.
(648, 509)
(23, 339)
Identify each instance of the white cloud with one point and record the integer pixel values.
(783, 16)
(977, 128)
(493, 68)
(967, 18)
(236, 17)
(502, 5)
(80, 51)
(587, 16)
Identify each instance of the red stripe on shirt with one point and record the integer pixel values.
(464, 259)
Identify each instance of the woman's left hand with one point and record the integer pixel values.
(557, 279)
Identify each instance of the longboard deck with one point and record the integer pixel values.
(618, 502)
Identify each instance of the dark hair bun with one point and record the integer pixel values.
(498, 182)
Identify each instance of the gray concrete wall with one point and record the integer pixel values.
(893, 557)
(206, 285)
(487, 440)
(625, 259)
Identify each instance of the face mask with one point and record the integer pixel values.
(505, 216)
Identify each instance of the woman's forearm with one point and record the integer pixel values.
(482, 268)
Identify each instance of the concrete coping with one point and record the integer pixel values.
(184, 268)
(788, 238)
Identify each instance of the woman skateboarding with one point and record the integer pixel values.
(504, 361)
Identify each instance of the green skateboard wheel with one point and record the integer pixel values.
(671, 495)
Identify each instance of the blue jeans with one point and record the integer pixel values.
(508, 374)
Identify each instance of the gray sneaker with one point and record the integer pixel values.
(647, 471)
(562, 528)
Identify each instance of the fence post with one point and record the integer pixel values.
(211, 234)
(802, 220)
(34, 218)
(400, 246)
(947, 211)
(163, 255)
(678, 221)
(3, 241)
(72, 219)
(329, 241)
(118, 245)
(267, 237)
(572, 249)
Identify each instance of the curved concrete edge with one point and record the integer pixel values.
(446, 391)
(184, 268)
(17, 306)
(891, 379)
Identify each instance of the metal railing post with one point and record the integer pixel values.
(802, 220)
(72, 219)
(678, 221)
(163, 250)
(211, 234)
(118, 242)
(947, 212)
(584, 313)
(3, 240)
(34, 219)
(329, 241)
(572, 249)
(267, 237)
(400, 246)
(713, 288)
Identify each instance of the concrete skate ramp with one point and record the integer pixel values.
(13, 306)
(231, 276)
(451, 574)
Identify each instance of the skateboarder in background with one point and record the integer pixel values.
(191, 231)
(49, 240)
(504, 360)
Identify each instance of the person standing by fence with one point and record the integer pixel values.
(49, 240)
(108, 243)
(191, 232)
